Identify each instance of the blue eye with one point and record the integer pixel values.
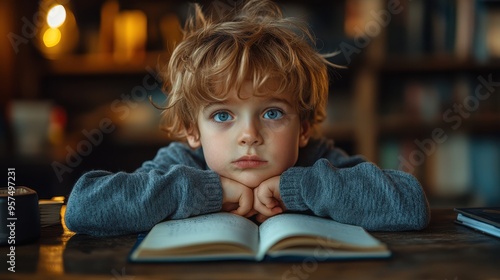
(222, 117)
(273, 114)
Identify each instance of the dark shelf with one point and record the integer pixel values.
(436, 63)
(406, 125)
(105, 64)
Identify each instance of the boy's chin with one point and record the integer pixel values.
(251, 182)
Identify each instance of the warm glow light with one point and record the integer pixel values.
(51, 37)
(56, 16)
(130, 28)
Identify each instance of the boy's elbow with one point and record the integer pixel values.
(75, 211)
(415, 216)
(423, 218)
(79, 205)
(80, 218)
(420, 221)
(72, 216)
(420, 210)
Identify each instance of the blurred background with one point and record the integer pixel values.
(420, 92)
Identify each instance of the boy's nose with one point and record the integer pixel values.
(250, 134)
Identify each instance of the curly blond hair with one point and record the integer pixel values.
(252, 42)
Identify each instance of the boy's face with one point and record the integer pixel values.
(250, 139)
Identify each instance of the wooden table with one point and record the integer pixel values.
(442, 251)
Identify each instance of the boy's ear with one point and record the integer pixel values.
(193, 137)
(305, 134)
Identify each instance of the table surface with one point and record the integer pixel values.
(444, 250)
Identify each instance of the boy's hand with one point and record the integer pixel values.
(267, 199)
(236, 198)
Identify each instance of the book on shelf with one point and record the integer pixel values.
(484, 219)
(484, 165)
(463, 29)
(452, 177)
(226, 236)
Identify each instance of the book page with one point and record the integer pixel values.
(204, 229)
(286, 225)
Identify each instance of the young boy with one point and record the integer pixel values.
(247, 93)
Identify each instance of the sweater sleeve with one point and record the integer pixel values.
(172, 186)
(351, 190)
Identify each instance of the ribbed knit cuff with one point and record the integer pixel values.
(212, 191)
(291, 186)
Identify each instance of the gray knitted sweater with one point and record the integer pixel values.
(177, 184)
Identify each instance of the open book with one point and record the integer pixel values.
(225, 236)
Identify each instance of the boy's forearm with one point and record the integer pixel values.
(104, 203)
(363, 195)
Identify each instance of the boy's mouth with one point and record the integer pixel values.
(249, 161)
